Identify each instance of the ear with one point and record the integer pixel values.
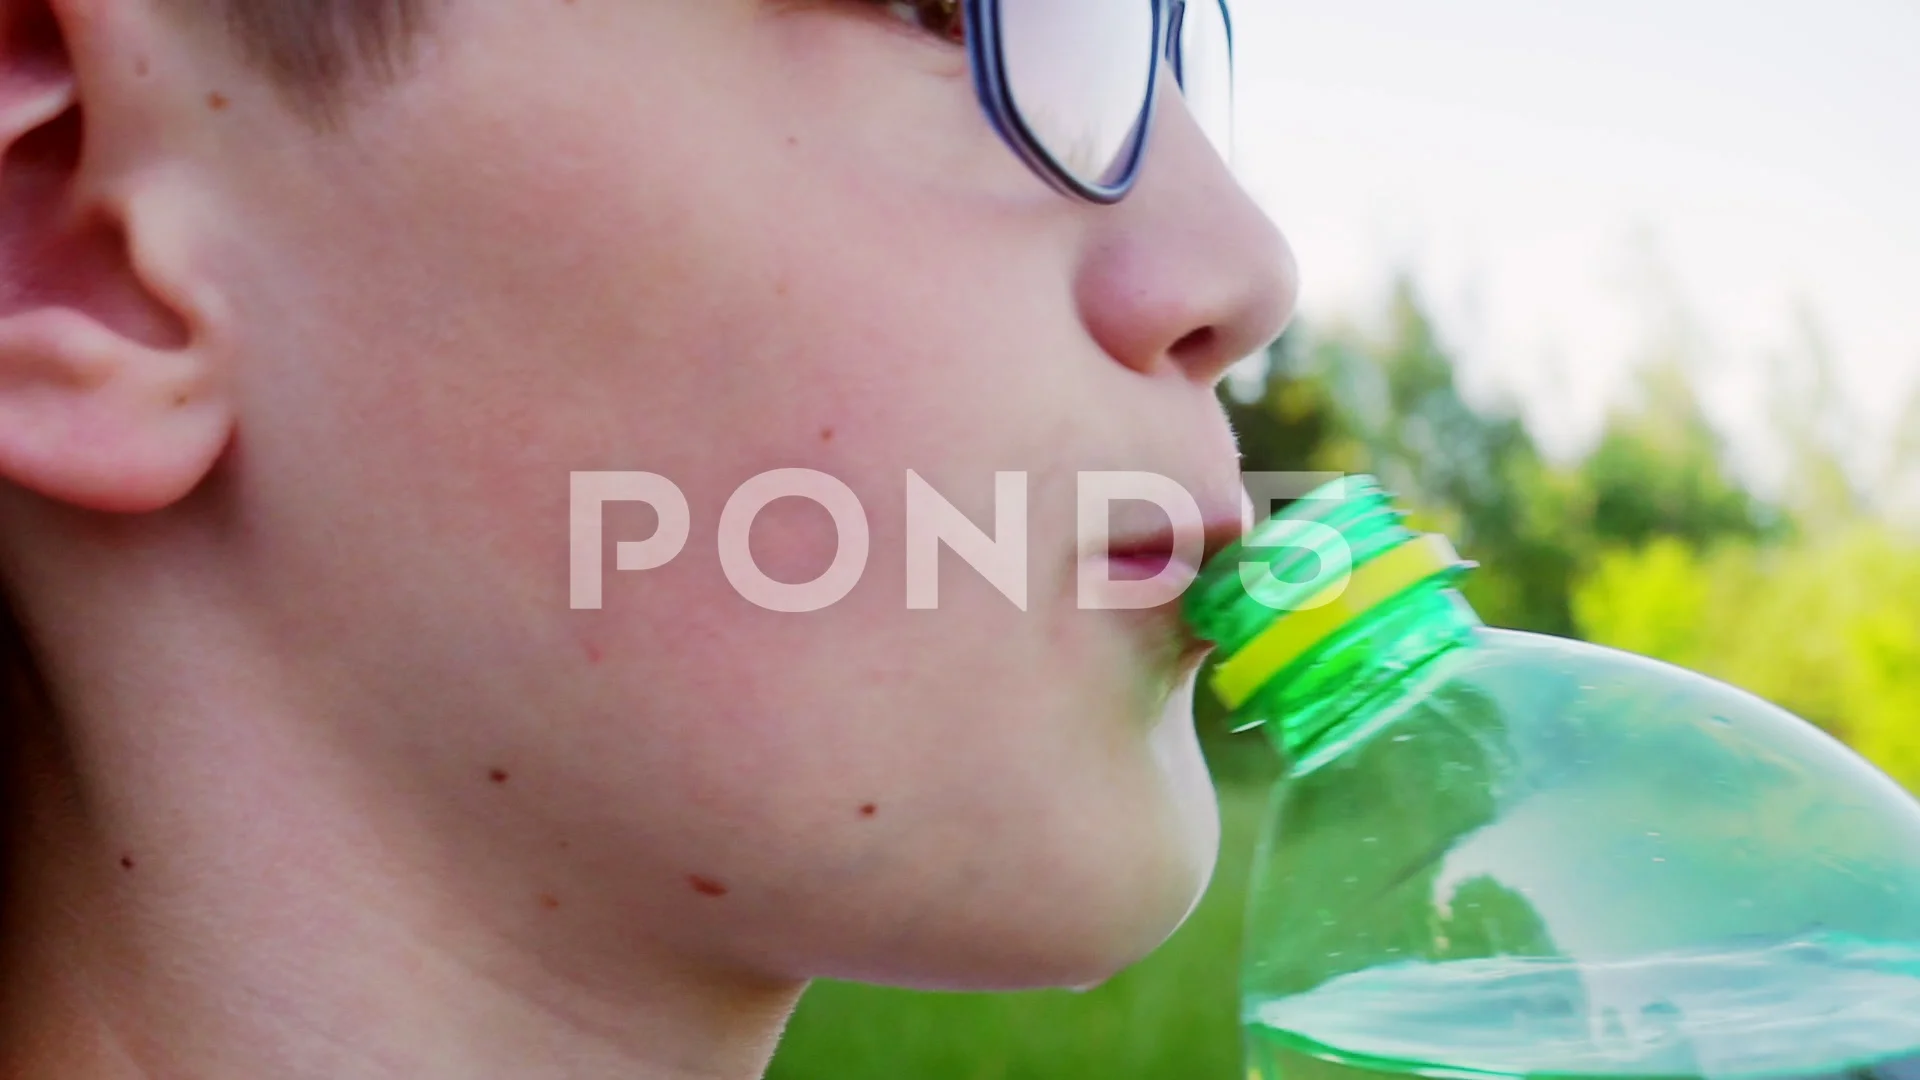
(108, 399)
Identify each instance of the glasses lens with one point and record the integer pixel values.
(1077, 74)
(1206, 70)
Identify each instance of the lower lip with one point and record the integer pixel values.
(1137, 567)
(1148, 567)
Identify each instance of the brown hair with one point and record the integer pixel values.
(18, 680)
(311, 47)
(13, 652)
(21, 691)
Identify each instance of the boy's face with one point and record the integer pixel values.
(707, 240)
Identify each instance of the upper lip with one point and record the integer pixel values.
(1218, 531)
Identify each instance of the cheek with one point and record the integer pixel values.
(996, 867)
(607, 304)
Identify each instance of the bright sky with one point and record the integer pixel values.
(1543, 165)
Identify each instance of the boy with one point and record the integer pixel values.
(313, 308)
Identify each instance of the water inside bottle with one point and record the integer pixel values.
(1814, 1006)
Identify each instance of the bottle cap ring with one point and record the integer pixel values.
(1296, 633)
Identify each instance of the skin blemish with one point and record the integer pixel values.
(550, 901)
(498, 776)
(140, 67)
(216, 101)
(826, 434)
(869, 810)
(594, 655)
(126, 862)
(706, 886)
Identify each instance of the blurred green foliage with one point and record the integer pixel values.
(1828, 627)
(1650, 542)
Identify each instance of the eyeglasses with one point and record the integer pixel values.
(1070, 84)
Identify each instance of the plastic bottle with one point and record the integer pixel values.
(1500, 854)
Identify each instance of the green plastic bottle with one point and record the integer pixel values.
(1498, 854)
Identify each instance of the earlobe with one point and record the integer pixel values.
(107, 397)
(94, 419)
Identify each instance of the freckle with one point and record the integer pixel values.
(498, 776)
(706, 886)
(566, 845)
(126, 862)
(216, 101)
(869, 810)
(826, 434)
(550, 901)
(180, 400)
(793, 140)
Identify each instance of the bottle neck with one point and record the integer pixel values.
(1333, 697)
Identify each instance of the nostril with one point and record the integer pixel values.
(1196, 349)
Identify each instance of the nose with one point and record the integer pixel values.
(1186, 274)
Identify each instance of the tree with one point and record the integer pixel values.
(1823, 627)
(1474, 474)
(1659, 471)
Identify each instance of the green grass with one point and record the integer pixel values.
(1171, 1017)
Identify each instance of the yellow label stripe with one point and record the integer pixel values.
(1296, 633)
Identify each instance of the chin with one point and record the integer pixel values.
(1089, 874)
(1088, 922)
(1111, 934)
(1076, 918)
(1137, 880)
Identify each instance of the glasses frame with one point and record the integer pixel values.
(988, 60)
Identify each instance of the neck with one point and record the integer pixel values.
(199, 889)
